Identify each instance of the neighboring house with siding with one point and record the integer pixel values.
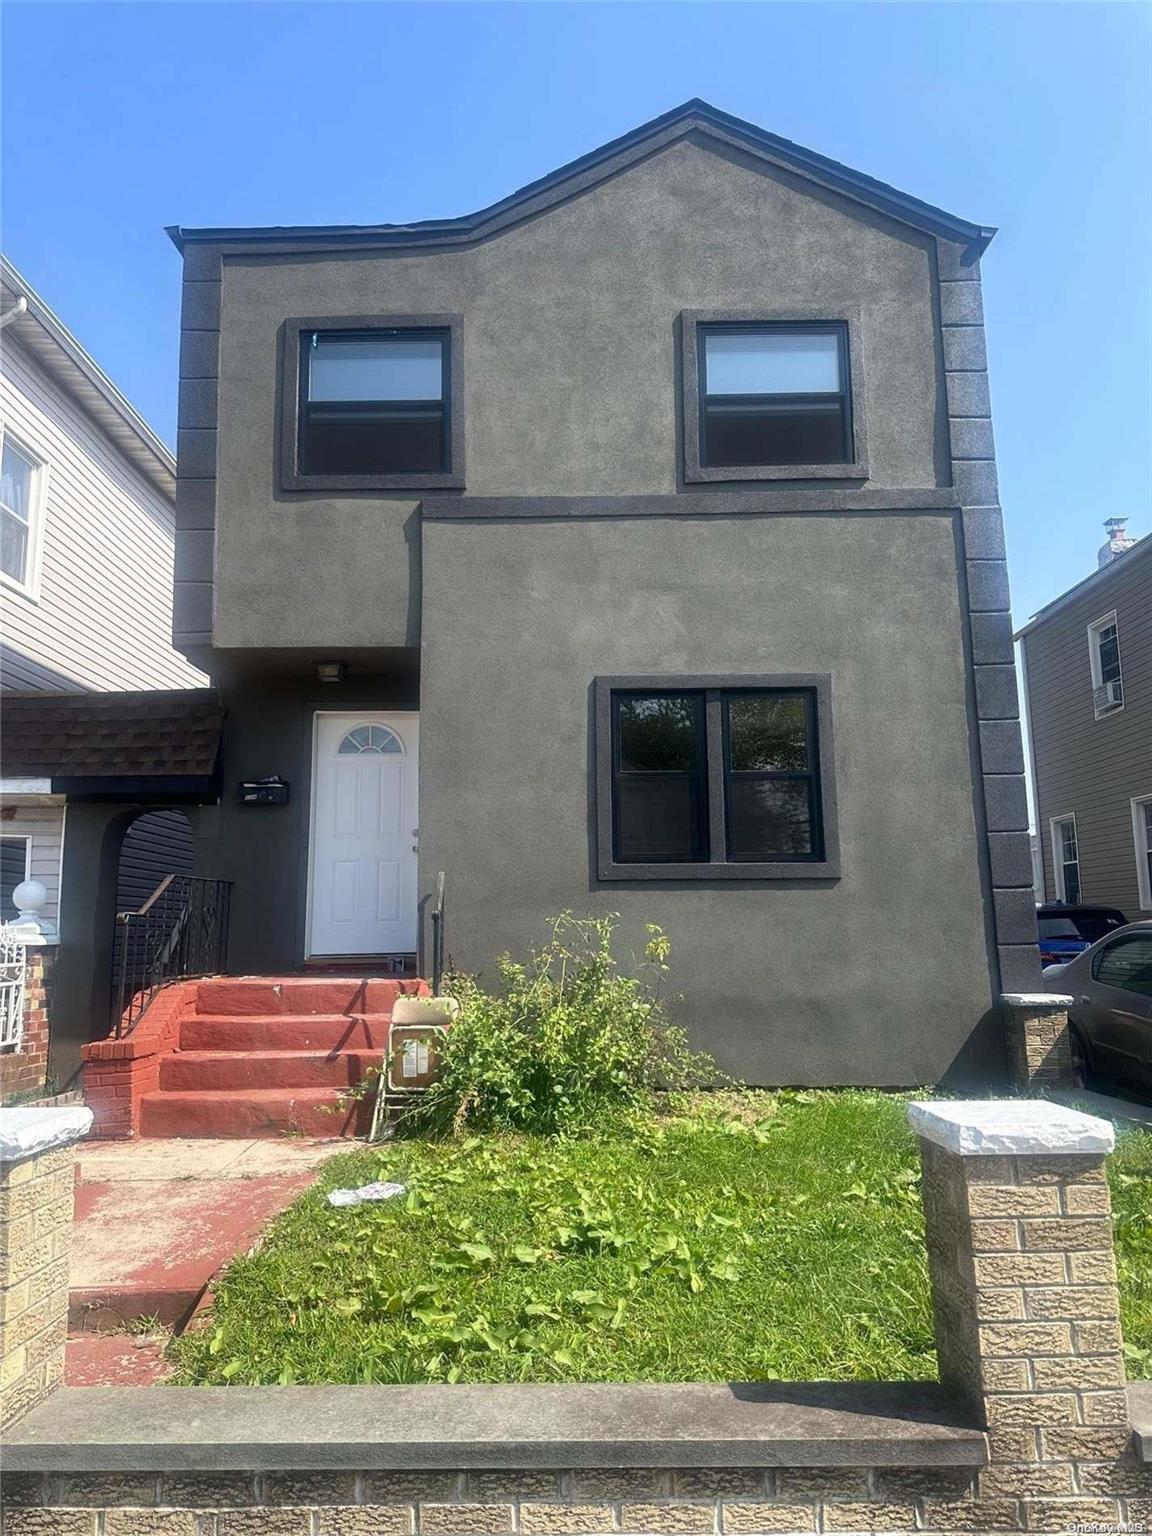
(86, 539)
(636, 542)
(1087, 674)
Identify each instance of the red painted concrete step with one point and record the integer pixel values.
(114, 1360)
(266, 1112)
(233, 1069)
(289, 1032)
(266, 995)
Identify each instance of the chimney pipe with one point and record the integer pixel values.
(1118, 540)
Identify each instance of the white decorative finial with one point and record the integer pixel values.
(29, 898)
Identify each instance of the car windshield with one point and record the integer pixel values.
(1058, 928)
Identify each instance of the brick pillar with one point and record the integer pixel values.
(1019, 1236)
(37, 1180)
(25, 1070)
(1039, 1043)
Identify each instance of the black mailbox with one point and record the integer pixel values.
(270, 791)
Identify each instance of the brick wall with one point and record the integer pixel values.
(117, 1073)
(688, 1502)
(36, 1200)
(25, 1070)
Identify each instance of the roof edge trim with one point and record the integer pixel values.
(694, 114)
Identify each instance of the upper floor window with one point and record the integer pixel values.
(773, 394)
(714, 778)
(372, 402)
(770, 396)
(20, 475)
(1104, 659)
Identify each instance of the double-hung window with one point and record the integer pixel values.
(1066, 859)
(1142, 842)
(768, 399)
(715, 778)
(370, 404)
(1104, 660)
(20, 474)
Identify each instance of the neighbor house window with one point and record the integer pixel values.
(1142, 838)
(1066, 859)
(372, 403)
(1104, 660)
(773, 395)
(13, 871)
(714, 778)
(19, 493)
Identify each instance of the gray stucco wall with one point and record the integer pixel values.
(879, 977)
(570, 370)
(571, 380)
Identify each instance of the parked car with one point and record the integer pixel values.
(1066, 931)
(1111, 1012)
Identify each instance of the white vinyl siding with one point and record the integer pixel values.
(103, 613)
(43, 826)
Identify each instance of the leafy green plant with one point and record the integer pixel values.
(569, 1044)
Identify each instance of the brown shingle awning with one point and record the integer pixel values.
(138, 744)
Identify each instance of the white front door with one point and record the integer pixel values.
(362, 886)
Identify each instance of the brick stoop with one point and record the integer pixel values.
(245, 1056)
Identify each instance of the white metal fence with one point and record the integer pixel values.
(12, 965)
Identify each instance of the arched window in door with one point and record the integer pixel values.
(370, 738)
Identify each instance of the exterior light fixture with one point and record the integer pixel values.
(330, 671)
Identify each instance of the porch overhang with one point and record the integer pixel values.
(138, 746)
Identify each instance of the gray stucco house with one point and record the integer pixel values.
(631, 545)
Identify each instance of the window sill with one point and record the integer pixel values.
(29, 591)
(796, 869)
(699, 474)
(419, 483)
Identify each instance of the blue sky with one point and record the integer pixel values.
(122, 118)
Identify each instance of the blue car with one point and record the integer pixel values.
(1067, 931)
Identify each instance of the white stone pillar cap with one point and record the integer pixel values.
(1051, 1000)
(1009, 1127)
(25, 1132)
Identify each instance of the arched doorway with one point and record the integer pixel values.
(156, 844)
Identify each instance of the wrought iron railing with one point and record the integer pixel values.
(180, 931)
(12, 963)
(438, 935)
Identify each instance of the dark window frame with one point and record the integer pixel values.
(694, 323)
(292, 382)
(714, 687)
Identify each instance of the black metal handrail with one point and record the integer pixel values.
(438, 935)
(179, 932)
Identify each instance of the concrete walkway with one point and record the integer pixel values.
(155, 1222)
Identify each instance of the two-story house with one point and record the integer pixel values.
(631, 545)
(1086, 665)
(87, 494)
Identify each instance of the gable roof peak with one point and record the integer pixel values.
(609, 159)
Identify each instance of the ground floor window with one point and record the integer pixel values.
(1142, 840)
(1066, 859)
(710, 777)
(13, 871)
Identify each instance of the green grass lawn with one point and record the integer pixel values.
(782, 1240)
